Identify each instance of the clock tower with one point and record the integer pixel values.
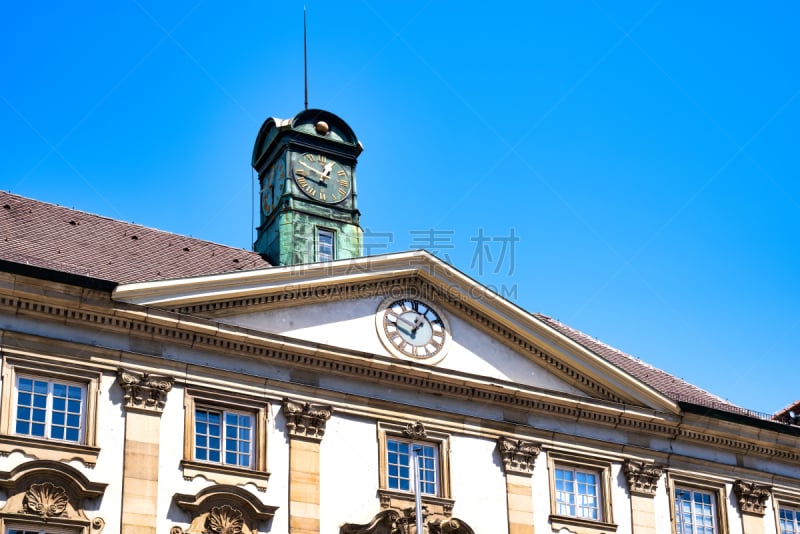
(306, 169)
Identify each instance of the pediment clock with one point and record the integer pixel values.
(306, 172)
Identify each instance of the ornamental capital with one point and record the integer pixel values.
(642, 477)
(306, 420)
(144, 390)
(752, 497)
(518, 456)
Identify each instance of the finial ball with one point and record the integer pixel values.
(322, 128)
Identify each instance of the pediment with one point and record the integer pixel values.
(335, 305)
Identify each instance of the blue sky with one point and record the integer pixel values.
(644, 154)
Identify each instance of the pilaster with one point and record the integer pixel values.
(642, 483)
(518, 461)
(144, 398)
(305, 424)
(752, 499)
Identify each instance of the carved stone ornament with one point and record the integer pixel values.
(306, 420)
(46, 500)
(143, 390)
(642, 477)
(404, 522)
(224, 520)
(752, 497)
(518, 456)
(415, 430)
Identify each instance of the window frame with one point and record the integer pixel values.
(602, 470)
(195, 398)
(706, 485)
(321, 230)
(40, 528)
(21, 364)
(223, 437)
(782, 500)
(49, 408)
(440, 503)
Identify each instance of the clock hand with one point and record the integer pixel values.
(307, 166)
(326, 174)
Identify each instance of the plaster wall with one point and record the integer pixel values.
(351, 324)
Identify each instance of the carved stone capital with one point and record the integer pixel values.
(752, 497)
(143, 390)
(642, 477)
(306, 420)
(415, 430)
(518, 456)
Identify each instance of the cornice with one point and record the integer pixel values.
(159, 325)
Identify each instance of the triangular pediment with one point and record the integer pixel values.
(338, 305)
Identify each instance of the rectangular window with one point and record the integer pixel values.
(37, 530)
(223, 437)
(694, 511)
(50, 409)
(399, 465)
(325, 246)
(789, 520)
(578, 493)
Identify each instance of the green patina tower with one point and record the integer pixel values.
(307, 176)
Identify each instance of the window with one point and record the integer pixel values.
(396, 444)
(694, 512)
(789, 519)
(325, 245)
(696, 504)
(578, 493)
(399, 461)
(34, 530)
(223, 437)
(580, 489)
(49, 409)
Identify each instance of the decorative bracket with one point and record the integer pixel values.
(752, 497)
(518, 456)
(642, 477)
(306, 420)
(143, 390)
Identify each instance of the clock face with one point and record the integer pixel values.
(321, 178)
(413, 329)
(272, 189)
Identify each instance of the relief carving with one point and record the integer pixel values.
(224, 520)
(46, 500)
(404, 522)
(518, 456)
(642, 477)
(415, 430)
(306, 420)
(752, 497)
(143, 390)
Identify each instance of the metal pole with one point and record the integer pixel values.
(417, 498)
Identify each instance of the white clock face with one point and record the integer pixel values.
(412, 329)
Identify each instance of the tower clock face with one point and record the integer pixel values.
(413, 329)
(321, 178)
(272, 188)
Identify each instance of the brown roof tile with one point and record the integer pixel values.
(43, 235)
(668, 385)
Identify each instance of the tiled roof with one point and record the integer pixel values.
(38, 234)
(668, 385)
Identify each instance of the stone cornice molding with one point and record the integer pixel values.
(164, 327)
(642, 477)
(518, 456)
(306, 420)
(752, 497)
(144, 391)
